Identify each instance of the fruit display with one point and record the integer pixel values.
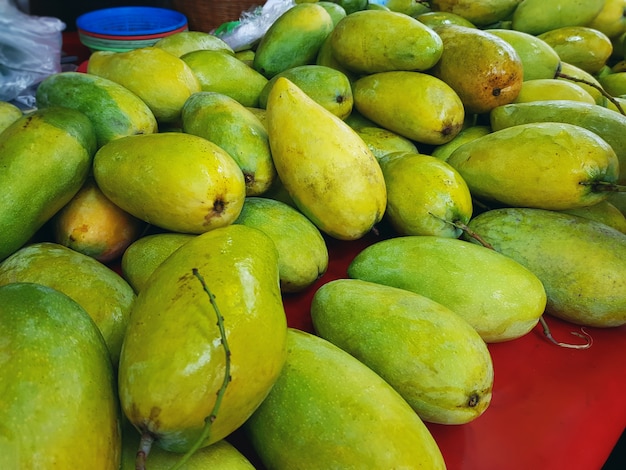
(422, 183)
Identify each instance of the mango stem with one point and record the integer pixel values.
(608, 96)
(586, 336)
(145, 444)
(604, 186)
(461, 226)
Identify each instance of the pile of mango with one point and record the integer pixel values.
(157, 209)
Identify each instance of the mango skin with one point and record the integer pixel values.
(172, 362)
(537, 16)
(184, 42)
(59, 406)
(383, 141)
(544, 165)
(551, 89)
(428, 353)
(45, 158)
(579, 261)
(498, 296)
(9, 113)
(603, 212)
(479, 13)
(329, 410)
(467, 134)
(581, 46)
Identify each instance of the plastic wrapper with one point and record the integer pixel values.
(30, 50)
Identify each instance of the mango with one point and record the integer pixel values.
(610, 20)
(302, 251)
(176, 181)
(465, 135)
(184, 42)
(581, 46)
(230, 125)
(327, 169)
(479, 13)
(547, 165)
(550, 89)
(537, 16)
(326, 58)
(336, 11)
(173, 361)
(59, 406)
(45, 158)
(321, 410)
(433, 19)
(585, 80)
(408, 7)
(351, 6)
(372, 41)
(414, 105)
(614, 84)
(383, 141)
(425, 351)
(579, 261)
(9, 113)
(498, 296)
(604, 212)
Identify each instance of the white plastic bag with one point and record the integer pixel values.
(30, 50)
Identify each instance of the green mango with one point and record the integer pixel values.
(326, 58)
(607, 124)
(429, 354)
(584, 47)
(585, 80)
(538, 57)
(372, 41)
(9, 113)
(618, 200)
(546, 165)
(614, 84)
(408, 7)
(580, 262)
(177, 181)
(302, 251)
(415, 105)
(467, 134)
(383, 141)
(434, 19)
(336, 11)
(478, 12)
(145, 254)
(173, 361)
(184, 42)
(350, 6)
(538, 16)
(327, 86)
(550, 89)
(59, 402)
(329, 410)
(293, 39)
(222, 72)
(230, 125)
(103, 293)
(498, 296)
(45, 158)
(604, 212)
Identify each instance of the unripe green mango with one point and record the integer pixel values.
(327, 86)
(59, 402)
(427, 352)
(466, 134)
(607, 124)
(173, 360)
(45, 158)
(177, 181)
(581, 262)
(550, 89)
(498, 296)
(293, 39)
(415, 105)
(329, 410)
(336, 11)
(581, 46)
(221, 72)
(478, 12)
(383, 141)
(604, 212)
(302, 251)
(103, 293)
(547, 165)
(230, 125)
(538, 16)
(614, 84)
(372, 41)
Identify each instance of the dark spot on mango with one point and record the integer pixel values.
(218, 206)
(248, 178)
(340, 99)
(473, 400)
(496, 91)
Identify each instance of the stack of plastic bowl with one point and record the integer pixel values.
(123, 29)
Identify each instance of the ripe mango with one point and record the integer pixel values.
(585, 80)
(427, 352)
(59, 403)
(538, 16)
(586, 48)
(184, 42)
(550, 89)
(478, 12)
(383, 141)
(466, 134)
(321, 412)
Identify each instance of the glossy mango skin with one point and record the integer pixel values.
(59, 403)
(537, 16)
(172, 362)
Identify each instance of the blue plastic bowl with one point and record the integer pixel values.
(130, 21)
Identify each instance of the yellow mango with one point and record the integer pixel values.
(538, 16)
(550, 89)
(586, 48)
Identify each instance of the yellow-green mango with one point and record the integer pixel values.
(415, 105)
(221, 72)
(336, 11)
(327, 86)
(584, 47)
(466, 134)
(478, 12)
(103, 293)
(498, 296)
(611, 20)
(59, 402)
(303, 422)
(328, 170)
(383, 141)
(184, 42)
(372, 41)
(408, 7)
(9, 113)
(619, 201)
(538, 16)
(607, 124)
(433, 19)
(351, 6)
(550, 89)
(546, 165)
(302, 251)
(583, 79)
(326, 58)
(293, 39)
(173, 361)
(162, 80)
(45, 157)
(145, 254)
(233, 127)
(425, 195)
(539, 59)
(581, 262)
(482, 68)
(176, 181)
(604, 212)
(614, 83)
(429, 354)
(357, 121)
